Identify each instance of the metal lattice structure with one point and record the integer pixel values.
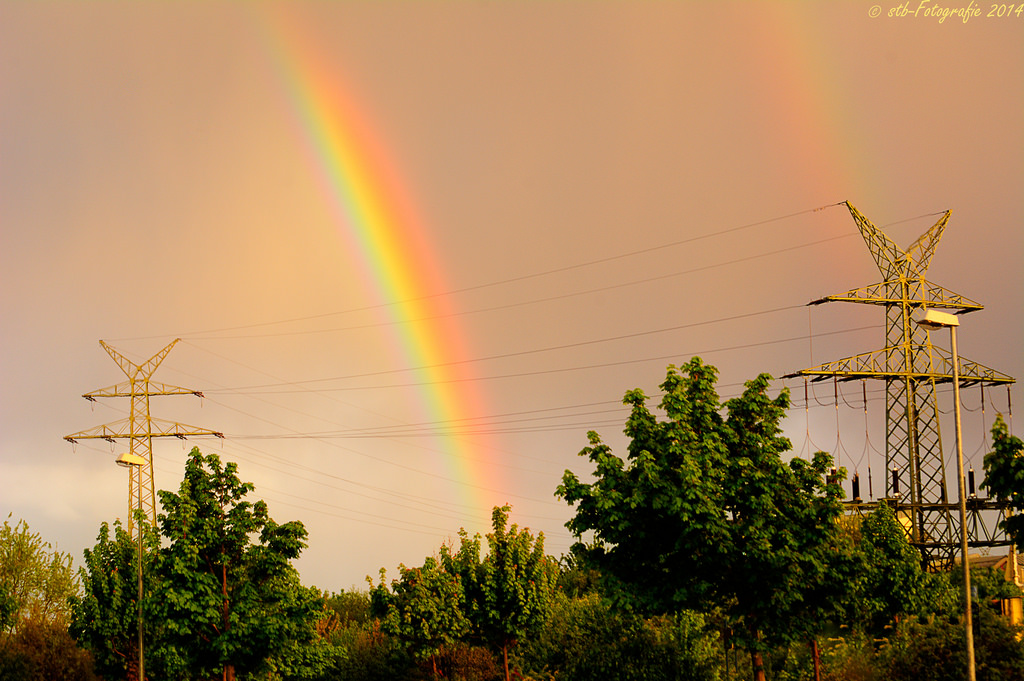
(140, 427)
(911, 367)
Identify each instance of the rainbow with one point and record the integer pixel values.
(808, 97)
(377, 220)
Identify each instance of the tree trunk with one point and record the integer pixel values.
(229, 669)
(757, 663)
(817, 659)
(504, 655)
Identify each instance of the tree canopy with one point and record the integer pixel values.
(105, 616)
(508, 592)
(424, 608)
(889, 581)
(498, 599)
(1004, 477)
(224, 594)
(36, 580)
(705, 510)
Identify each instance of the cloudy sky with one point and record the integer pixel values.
(415, 251)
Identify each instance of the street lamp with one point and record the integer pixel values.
(135, 461)
(933, 319)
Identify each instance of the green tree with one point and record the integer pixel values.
(227, 596)
(35, 579)
(891, 582)
(1004, 477)
(36, 583)
(424, 608)
(105, 616)
(705, 510)
(508, 592)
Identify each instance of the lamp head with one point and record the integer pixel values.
(128, 460)
(933, 319)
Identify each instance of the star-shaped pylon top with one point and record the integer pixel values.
(135, 371)
(894, 262)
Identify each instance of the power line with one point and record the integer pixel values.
(520, 353)
(509, 280)
(533, 301)
(256, 390)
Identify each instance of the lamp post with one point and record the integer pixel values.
(933, 319)
(135, 461)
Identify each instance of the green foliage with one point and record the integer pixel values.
(1004, 477)
(8, 606)
(586, 638)
(575, 578)
(936, 650)
(369, 654)
(891, 583)
(849, 658)
(424, 608)
(310, 651)
(227, 596)
(349, 607)
(498, 599)
(508, 593)
(988, 584)
(704, 510)
(35, 580)
(105, 616)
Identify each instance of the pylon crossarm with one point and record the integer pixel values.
(138, 389)
(868, 364)
(985, 534)
(970, 371)
(121, 430)
(883, 294)
(889, 364)
(162, 428)
(108, 431)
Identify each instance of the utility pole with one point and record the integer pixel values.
(911, 367)
(140, 427)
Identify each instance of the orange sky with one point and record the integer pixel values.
(155, 183)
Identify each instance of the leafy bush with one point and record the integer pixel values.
(585, 638)
(937, 650)
(851, 657)
(370, 654)
(43, 650)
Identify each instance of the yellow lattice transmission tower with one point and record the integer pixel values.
(140, 427)
(911, 367)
